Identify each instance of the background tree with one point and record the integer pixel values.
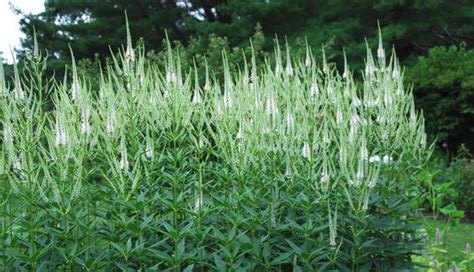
(411, 26)
(444, 85)
(92, 26)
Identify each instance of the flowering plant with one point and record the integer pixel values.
(290, 165)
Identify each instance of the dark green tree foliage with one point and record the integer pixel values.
(236, 19)
(91, 26)
(412, 26)
(444, 89)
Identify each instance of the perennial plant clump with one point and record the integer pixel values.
(290, 166)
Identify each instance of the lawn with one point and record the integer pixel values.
(453, 248)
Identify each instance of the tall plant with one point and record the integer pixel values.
(287, 167)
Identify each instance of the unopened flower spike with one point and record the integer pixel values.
(272, 108)
(380, 50)
(288, 171)
(278, 61)
(314, 88)
(307, 61)
(332, 227)
(85, 125)
(123, 163)
(110, 122)
(339, 117)
(129, 52)
(18, 91)
(345, 74)
(197, 99)
(149, 152)
(60, 131)
(289, 67)
(325, 63)
(3, 86)
(289, 120)
(75, 87)
(306, 151)
(36, 55)
(325, 174)
(240, 133)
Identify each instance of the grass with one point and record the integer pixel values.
(456, 239)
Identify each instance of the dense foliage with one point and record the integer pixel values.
(411, 26)
(444, 85)
(448, 184)
(285, 167)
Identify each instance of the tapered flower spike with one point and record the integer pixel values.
(345, 74)
(207, 83)
(289, 67)
(197, 99)
(18, 91)
(325, 175)
(365, 205)
(240, 133)
(289, 121)
(339, 117)
(372, 182)
(288, 171)
(278, 64)
(396, 67)
(272, 108)
(123, 163)
(325, 63)
(129, 52)
(85, 125)
(228, 85)
(76, 86)
(3, 85)
(7, 132)
(380, 49)
(307, 61)
(331, 93)
(36, 54)
(18, 162)
(61, 138)
(314, 88)
(111, 120)
(253, 69)
(228, 98)
(370, 68)
(149, 152)
(364, 154)
(332, 228)
(199, 201)
(306, 151)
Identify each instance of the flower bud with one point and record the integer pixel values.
(306, 151)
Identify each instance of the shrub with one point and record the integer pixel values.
(444, 89)
(461, 173)
(286, 167)
(444, 184)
